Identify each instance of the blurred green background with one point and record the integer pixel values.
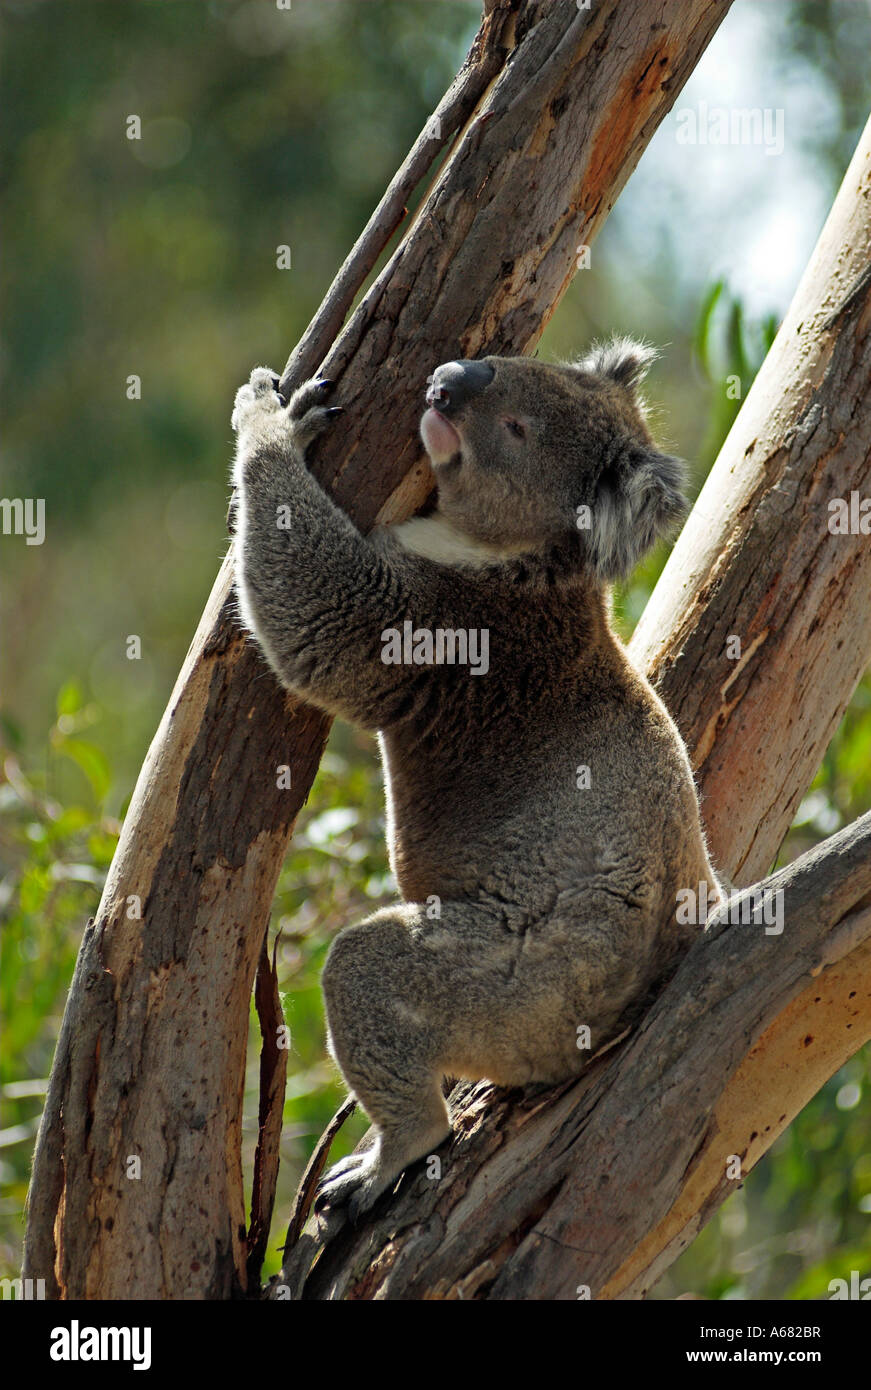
(157, 258)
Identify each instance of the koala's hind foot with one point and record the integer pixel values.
(359, 1180)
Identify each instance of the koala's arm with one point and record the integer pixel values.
(314, 591)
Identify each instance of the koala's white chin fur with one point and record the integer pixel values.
(435, 538)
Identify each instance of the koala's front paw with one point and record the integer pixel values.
(260, 393)
(307, 413)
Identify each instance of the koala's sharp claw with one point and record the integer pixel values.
(336, 410)
(325, 383)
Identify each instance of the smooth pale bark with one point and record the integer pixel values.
(757, 559)
(552, 112)
(604, 1182)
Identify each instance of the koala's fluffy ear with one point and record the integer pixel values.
(624, 360)
(638, 499)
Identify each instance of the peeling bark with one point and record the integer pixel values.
(273, 1077)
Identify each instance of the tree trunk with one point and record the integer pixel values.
(602, 1183)
(137, 1184)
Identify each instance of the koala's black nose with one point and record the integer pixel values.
(454, 383)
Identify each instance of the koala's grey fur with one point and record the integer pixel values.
(556, 904)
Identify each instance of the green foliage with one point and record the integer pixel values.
(730, 352)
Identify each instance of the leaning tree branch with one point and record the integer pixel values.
(150, 1063)
(758, 560)
(604, 1182)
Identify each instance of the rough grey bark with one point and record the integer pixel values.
(151, 1062)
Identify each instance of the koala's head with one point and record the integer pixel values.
(519, 446)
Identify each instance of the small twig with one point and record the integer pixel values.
(311, 1176)
(273, 1075)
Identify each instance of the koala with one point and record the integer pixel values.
(542, 816)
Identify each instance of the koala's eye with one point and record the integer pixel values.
(515, 428)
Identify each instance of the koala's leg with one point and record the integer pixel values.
(410, 1000)
(388, 1054)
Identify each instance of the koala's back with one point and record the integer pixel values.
(555, 786)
